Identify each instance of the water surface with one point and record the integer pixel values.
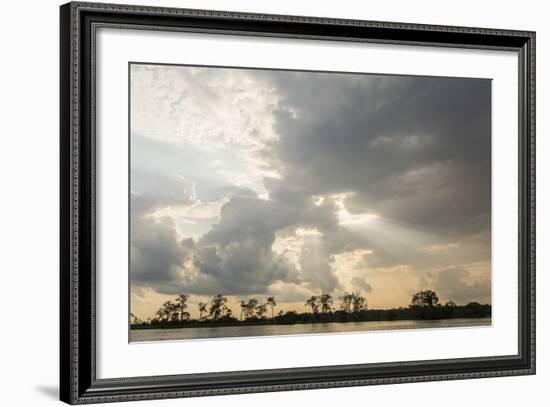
(149, 335)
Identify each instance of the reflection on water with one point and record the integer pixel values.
(148, 335)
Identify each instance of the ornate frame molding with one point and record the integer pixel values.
(79, 21)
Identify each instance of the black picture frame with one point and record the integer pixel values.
(78, 381)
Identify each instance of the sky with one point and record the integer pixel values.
(254, 183)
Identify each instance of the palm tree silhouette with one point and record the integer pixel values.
(251, 307)
(243, 309)
(312, 302)
(217, 306)
(202, 309)
(326, 302)
(271, 303)
(181, 306)
(261, 310)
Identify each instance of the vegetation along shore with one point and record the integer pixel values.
(352, 307)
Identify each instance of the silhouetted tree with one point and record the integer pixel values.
(346, 302)
(426, 298)
(250, 308)
(166, 312)
(261, 310)
(202, 309)
(358, 302)
(272, 304)
(181, 306)
(159, 315)
(244, 304)
(313, 303)
(134, 320)
(326, 303)
(218, 306)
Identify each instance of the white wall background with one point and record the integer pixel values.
(29, 163)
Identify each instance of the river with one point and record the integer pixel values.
(150, 335)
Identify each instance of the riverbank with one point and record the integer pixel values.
(470, 311)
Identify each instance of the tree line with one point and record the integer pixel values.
(249, 309)
(352, 307)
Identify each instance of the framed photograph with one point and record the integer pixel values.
(255, 203)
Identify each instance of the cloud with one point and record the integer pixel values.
(234, 257)
(236, 254)
(169, 103)
(360, 283)
(458, 285)
(157, 255)
(393, 165)
(402, 145)
(292, 293)
(166, 192)
(316, 269)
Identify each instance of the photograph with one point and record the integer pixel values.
(267, 202)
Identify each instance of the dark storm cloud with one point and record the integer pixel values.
(415, 149)
(236, 254)
(234, 257)
(156, 252)
(157, 255)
